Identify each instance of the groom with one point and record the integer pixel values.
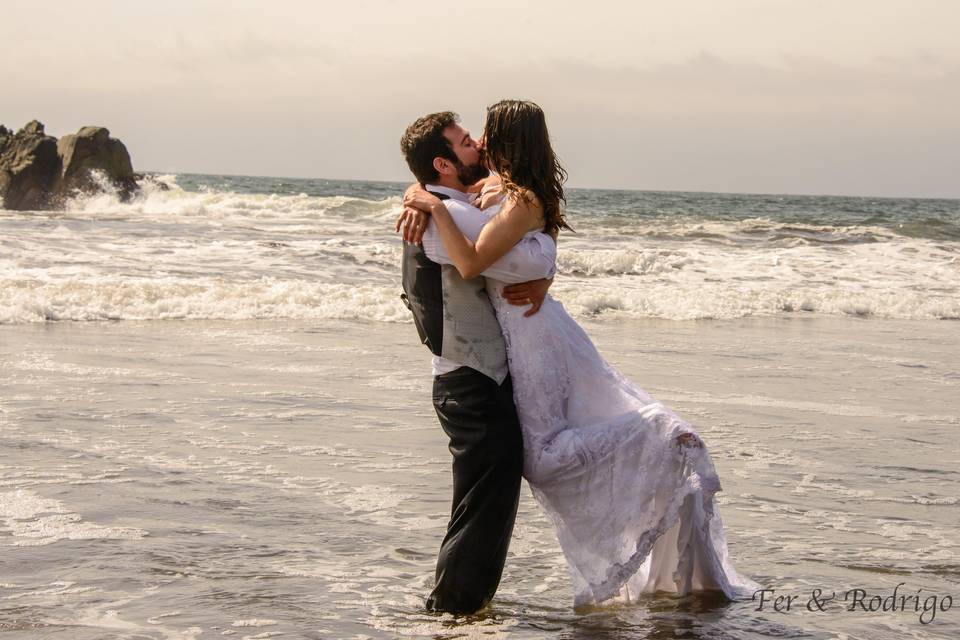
(472, 391)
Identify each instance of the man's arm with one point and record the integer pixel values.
(531, 293)
(533, 258)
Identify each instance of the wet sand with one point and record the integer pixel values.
(202, 479)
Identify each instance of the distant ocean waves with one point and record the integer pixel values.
(223, 247)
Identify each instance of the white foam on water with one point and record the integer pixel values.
(728, 300)
(176, 204)
(398, 381)
(40, 361)
(130, 298)
(29, 477)
(108, 615)
(254, 622)
(598, 262)
(160, 616)
(809, 482)
(420, 523)
(372, 497)
(756, 230)
(120, 298)
(56, 588)
(767, 401)
(393, 615)
(33, 520)
(911, 532)
(927, 501)
(236, 256)
(934, 501)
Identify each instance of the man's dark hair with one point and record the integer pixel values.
(424, 140)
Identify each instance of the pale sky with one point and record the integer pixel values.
(858, 97)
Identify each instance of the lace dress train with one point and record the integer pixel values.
(631, 496)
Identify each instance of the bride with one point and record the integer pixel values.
(628, 484)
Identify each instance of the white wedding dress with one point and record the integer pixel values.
(633, 506)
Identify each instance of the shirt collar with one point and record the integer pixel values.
(453, 193)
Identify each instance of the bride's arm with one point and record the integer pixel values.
(412, 222)
(495, 239)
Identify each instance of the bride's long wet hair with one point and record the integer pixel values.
(518, 148)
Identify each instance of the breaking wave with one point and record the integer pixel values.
(251, 248)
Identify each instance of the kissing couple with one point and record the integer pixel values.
(520, 389)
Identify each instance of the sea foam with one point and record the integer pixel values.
(210, 253)
(33, 520)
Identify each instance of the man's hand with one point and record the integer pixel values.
(412, 223)
(524, 293)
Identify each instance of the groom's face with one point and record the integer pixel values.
(470, 166)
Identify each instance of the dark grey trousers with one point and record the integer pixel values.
(487, 446)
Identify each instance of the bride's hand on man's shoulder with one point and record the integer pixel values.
(491, 182)
(416, 186)
(420, 199)
(412, 223)
(490, 192)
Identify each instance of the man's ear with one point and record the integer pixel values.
(442, 166)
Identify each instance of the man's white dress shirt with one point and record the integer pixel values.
(527, 260)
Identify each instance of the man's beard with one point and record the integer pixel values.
(470, 174)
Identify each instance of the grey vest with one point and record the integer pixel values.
(453, 316)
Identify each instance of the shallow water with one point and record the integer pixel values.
(287, 478)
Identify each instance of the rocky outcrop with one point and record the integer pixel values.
(29, 168)
(92, 149)
(39, 172)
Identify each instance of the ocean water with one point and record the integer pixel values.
(215, 415)
(221, 247)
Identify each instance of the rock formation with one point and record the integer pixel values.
(91, 149)
(29, 167)
(39, 172)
